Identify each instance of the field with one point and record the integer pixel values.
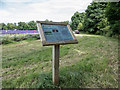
(4, 32)
(93, 62)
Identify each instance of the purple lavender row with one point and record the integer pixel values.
(17, 31)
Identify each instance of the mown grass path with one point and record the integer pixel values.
(93, 62)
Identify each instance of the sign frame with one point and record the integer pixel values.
(48, 43)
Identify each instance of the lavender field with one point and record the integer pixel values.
(17, 31)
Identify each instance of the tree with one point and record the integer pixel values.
(67, 22)
(32, 25)
(15, 25)
(5, 27)
(48, 20)
(2, 26)
(10, 26)
(95, 14)
(80, 26)
(22, 26)
(113, 15)
(76, 19)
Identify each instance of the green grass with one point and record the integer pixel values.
(15, 38)
(93, 62)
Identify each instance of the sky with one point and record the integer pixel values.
(13, 11)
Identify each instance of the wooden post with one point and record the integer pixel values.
(55, 68)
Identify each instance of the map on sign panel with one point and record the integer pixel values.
(56, 32)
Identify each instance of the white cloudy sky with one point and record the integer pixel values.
(27, 10)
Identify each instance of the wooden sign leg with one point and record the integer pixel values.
(55, 68)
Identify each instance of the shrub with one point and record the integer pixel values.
(6, 41)
(17, 38)
(80, 27)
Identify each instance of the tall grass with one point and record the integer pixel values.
(8, 39)
(93, 62)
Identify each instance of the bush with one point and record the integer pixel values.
(33, 36)
(109, 34)
(17, 38)
(80, 27)
(6, 41)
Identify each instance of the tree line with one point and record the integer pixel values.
(19, 26)
(99, 18)
(22, 25)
